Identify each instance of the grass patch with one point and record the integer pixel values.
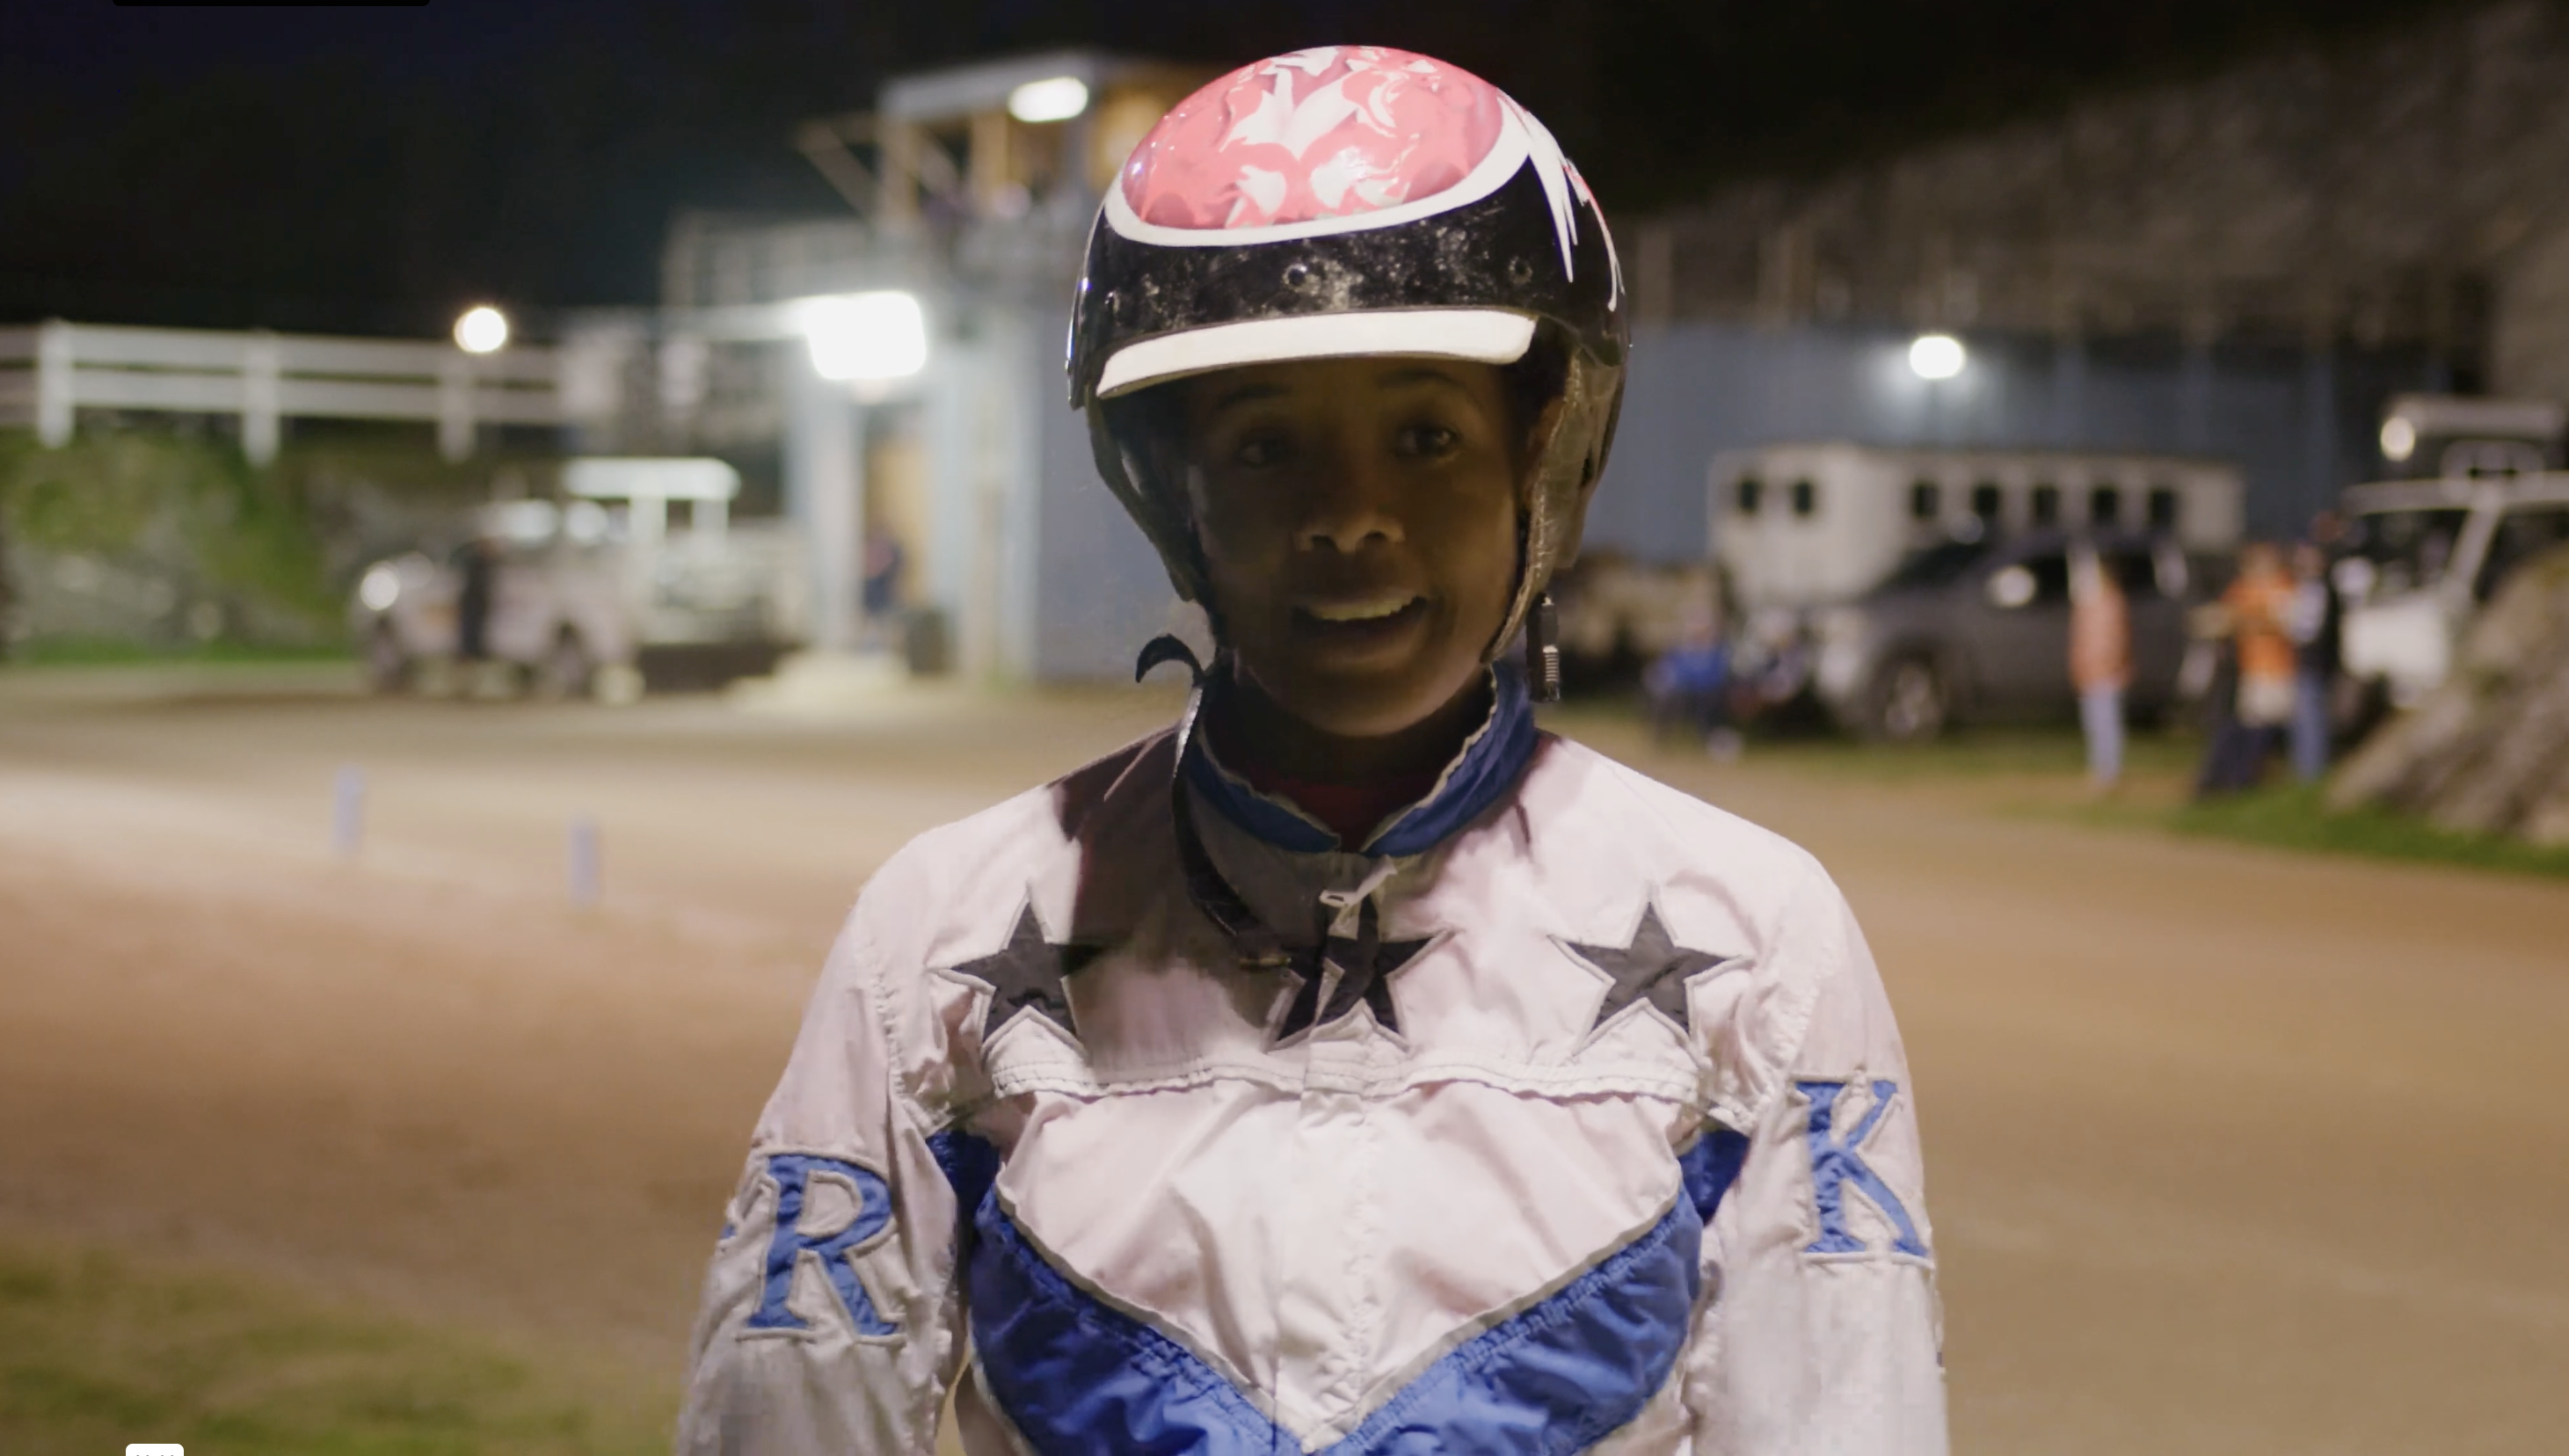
(2039, 750)
(1981, 753)
(105, 652)
(2158, 768)
(2294, 818)
(95, 1352)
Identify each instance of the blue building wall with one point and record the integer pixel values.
(2299, 423)
(1100, 590)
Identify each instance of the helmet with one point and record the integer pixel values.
(1350, 200)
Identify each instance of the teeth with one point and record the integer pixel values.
(1360, 611)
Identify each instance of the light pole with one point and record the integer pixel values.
(479, 331)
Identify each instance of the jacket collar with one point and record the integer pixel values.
(1480, 775)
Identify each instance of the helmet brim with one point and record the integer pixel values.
(1483, 335)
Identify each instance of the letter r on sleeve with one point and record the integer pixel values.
(793, 1173)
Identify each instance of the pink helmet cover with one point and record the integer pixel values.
(1331, 132)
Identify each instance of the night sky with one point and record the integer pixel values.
(370, 169)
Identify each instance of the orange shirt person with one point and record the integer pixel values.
(2260, 605)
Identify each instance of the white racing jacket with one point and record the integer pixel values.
(1573, 1119)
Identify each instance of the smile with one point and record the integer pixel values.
(1363, 609)
(1350, 634)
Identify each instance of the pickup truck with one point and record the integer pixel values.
(580, 602)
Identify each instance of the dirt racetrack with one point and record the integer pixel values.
(2229, 1150)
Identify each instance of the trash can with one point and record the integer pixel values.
(926, 644)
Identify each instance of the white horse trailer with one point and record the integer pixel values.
(1810, 525)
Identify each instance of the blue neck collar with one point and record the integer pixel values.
(1480, 775)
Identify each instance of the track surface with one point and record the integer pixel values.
(2230, 1151)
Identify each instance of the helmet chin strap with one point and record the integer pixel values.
(1533, 610)
(1542, 650)
(1166, 648)
(1530, 604)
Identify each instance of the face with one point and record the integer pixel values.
(1358, 523)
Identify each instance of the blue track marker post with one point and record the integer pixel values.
(348, 812)
(588, 872)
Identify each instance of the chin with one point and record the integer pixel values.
(1368, 705)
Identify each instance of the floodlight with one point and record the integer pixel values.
(1936, 356)
(481, 329)
(2398, 438)
(380, 587)
(864, 336)
(1054, 98)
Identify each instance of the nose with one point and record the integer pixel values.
(1348, 507)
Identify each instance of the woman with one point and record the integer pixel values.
(1352, 1065)
(2101, 663)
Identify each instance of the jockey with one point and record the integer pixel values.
(1352, 1066)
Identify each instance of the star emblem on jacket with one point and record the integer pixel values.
(1652, 970)
(1365, 963)
(1025, 976)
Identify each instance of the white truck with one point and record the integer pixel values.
(596, 592)
(2426, 556)
(1808, 525)
(2484, 491)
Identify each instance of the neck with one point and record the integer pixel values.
(1250, 725)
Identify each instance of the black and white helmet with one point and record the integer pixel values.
(1340, 202)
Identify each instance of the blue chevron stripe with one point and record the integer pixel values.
(1565, 1374)
(1712, 1164)
(1078, 1377)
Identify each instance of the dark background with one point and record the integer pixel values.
(373, 170)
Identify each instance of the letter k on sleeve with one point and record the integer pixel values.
(1823, 1331)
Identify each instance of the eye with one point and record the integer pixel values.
(1428, 442)
(1258, 451)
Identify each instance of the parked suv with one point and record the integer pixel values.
(1979, 628)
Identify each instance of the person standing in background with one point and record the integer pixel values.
(2258, 613)
(884, 559)
(2261, 608)
(477, 561)
(2317, 630)
(2101, 663)
(1690, 687)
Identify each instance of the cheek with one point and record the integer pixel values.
(1229, 532)
(1243, 553)
(1483, 563)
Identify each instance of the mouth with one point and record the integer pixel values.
(1358, 625)
(1355, 611)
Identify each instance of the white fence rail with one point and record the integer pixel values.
(51, 371)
